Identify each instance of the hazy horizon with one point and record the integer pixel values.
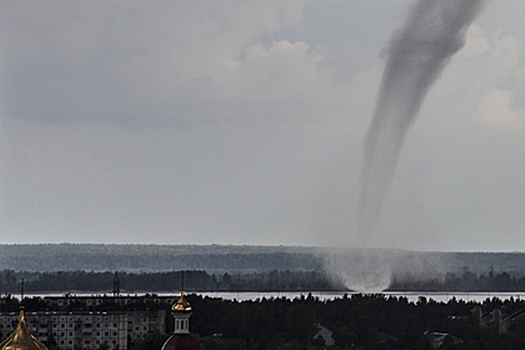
(314, 247)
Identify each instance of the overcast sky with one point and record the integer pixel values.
(242, 122)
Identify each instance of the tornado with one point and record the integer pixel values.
(416, 55)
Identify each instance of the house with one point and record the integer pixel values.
(324, 336)
(437, 339)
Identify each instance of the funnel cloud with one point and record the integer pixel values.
(416, 55)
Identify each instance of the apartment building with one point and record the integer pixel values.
(87, 330)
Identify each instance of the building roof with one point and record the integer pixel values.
(181, 342)
(21, 338)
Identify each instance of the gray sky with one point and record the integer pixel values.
(242, 122)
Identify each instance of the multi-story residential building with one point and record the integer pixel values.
(94, 301)
(87, 330)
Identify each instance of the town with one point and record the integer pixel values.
(354, 321)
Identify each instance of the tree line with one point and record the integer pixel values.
(467, 281)
(357, 321)
(274, 280)
(197, 280)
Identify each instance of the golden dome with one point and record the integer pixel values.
(21, 338)
(181, 305)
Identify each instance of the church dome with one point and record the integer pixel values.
(182, 305)
(21, 338)
(181, 342)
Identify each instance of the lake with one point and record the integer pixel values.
(411, 296)
(242, 296)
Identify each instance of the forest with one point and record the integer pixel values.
(217, 259)
(274, 280)
(356, 321)
(155, 258)
(82, 281)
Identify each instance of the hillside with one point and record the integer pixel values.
(136, 257)
(257, 266)
(151, 257)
